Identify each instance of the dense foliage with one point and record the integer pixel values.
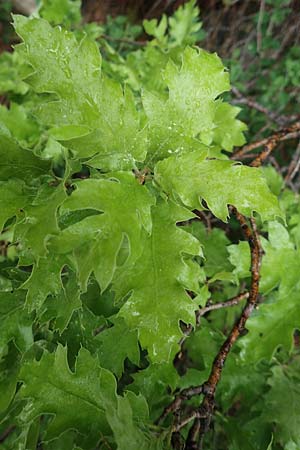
(121, 223)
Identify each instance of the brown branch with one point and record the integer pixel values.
(231, 302)
(294, 166)
(202, 311)
(195, 414)
(210, 386)
(259, 24)
(6, 433)
(255, 248)
(184, 395)
(212, 307)
(202, 415)
(203, 217)
(269, 143)
(281, 120)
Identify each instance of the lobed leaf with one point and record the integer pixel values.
(157, 281)
(219, 183)
(96, 240)
(88, 113)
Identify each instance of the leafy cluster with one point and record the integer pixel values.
(106, 164)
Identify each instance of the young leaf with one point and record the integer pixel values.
(228, 131)
(185, 24)
(89, 114)
(61, 306)
(191, 106)
(65, 12)
(219, 183)
(96, 240)
(157, 283)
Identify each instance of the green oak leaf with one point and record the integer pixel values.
(155, 383)
(64, 12)
(127, 346)
(27, 132)
(278, 249)
(228, 131)
(239, 257)
(90, 114)
(282, 403)
(193, 89)
(127, 428)
(96, 240)
(23, 164)
(51, 388)
(190, 107)
(61, 306)
(202, 346)
(273, 323)
(10, 79)
(219, 183)
(185, 25)
(44, 280)
(274, 179)
(215, 247)
(16, 323)
(157, 30)
(39, 220)
(14, 196)
(157, 283)
(9, 371)
(84, 400)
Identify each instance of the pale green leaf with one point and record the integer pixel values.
(185, 25)
(10, 80)
(228, 131)
(96, 240)
(65, 12)
(274, 179)
(75, 400)
(191, 106)
(157, 283)
(155, 29)
(239, 256)
(215, 245)
(90, 114)
(219, 183)
(27, 132)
